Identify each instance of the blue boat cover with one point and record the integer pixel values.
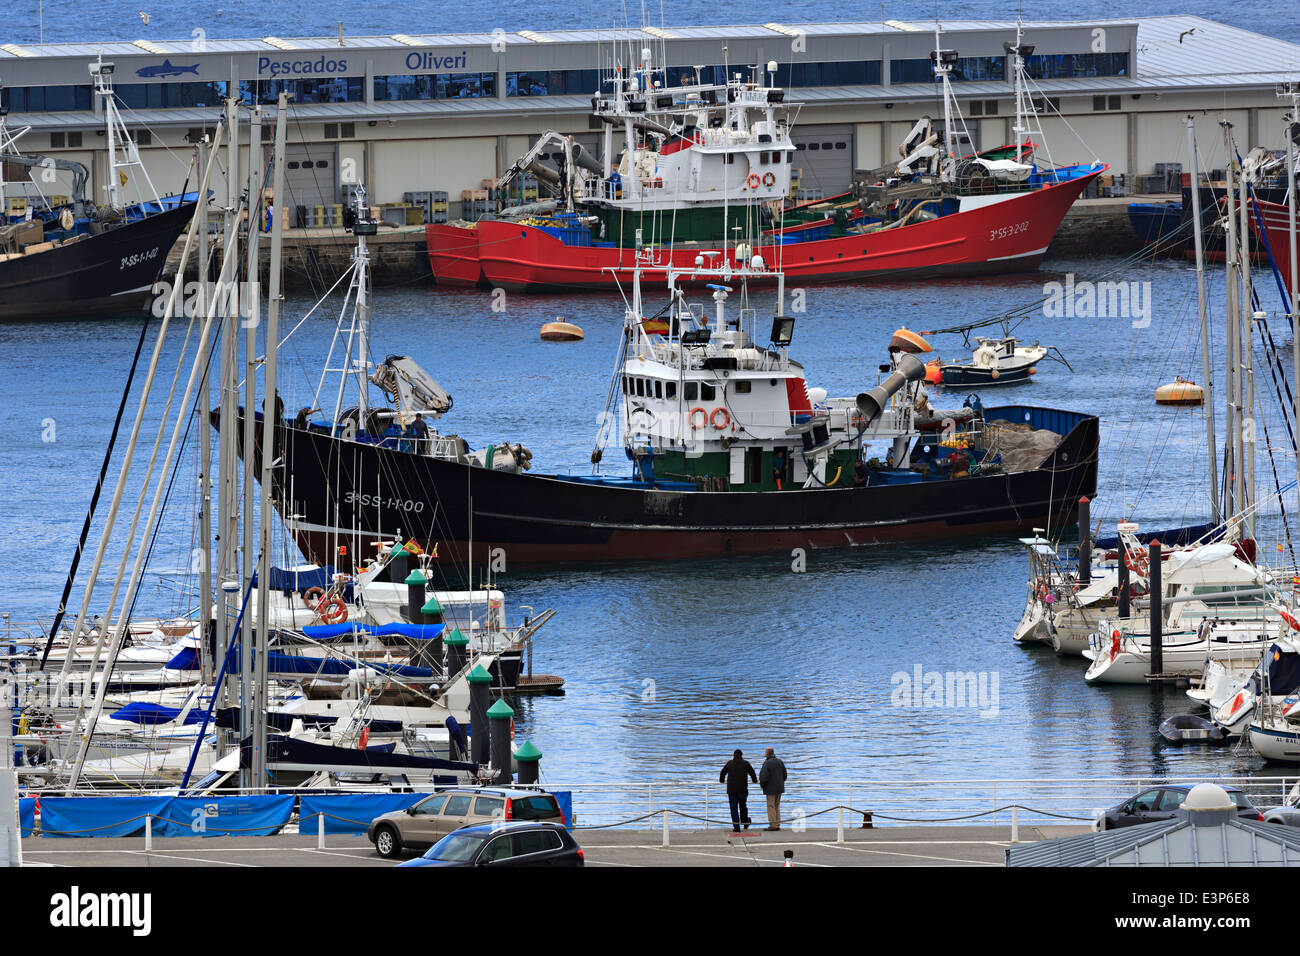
(1169, 537)
(26, 815)
(416, 632)
(282, 580)
(278, 663)
(186, 660)
(141, 712)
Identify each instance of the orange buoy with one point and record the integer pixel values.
(905, 340)
(1180, 392)
(561, 331)
(933, 373)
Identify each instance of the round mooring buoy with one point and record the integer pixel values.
(561, 331)
(1180, 392)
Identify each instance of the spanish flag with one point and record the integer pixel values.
(655, 326)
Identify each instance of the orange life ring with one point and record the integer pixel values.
(769, 179)
(1289, 618)
(753, 181)
(690, 417)
(1139, 565)
(312, 596)
(332, 610)
(726, 418)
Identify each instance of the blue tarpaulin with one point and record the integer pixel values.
(99, 816)
(26, 815)
(225, 816)
(172, 816)
(351, 813)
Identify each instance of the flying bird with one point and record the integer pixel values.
(145, 17)
(1186, 33)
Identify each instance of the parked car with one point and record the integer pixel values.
(423, 824)
(1162, 803)
(517, 843)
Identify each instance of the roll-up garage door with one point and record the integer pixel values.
(824, 157)
(310, 177)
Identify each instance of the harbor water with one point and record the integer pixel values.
(229, 18)
(669, 667)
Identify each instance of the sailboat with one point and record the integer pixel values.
(701, 160)
(71, 256)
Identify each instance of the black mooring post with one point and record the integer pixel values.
(1157, 619)
(1085, 544)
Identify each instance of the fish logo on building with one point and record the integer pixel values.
(166, 69)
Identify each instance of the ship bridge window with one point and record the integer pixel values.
(659, 389)
(707, 392)
(692, 391)
(640, 388)
(670, 390)
(743, 388)
(626, 388)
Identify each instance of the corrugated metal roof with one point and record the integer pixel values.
(1168, 843)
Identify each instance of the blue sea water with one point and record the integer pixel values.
(671, 666)
(65, 21)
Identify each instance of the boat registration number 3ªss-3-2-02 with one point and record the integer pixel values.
(1006, 232)
(379, 501)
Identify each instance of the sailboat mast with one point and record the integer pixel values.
(1207, 366)
(1247, 354)
(271, 425)
(250, 303)
(207, 672)
(227, 521)
(1233, 358)
(1292, 130)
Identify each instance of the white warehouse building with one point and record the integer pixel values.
(444, 112)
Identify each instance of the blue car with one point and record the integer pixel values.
(517, 843)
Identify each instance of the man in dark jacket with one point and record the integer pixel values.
(737, 773)
(772, 781)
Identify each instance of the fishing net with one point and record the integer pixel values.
(1021, 447)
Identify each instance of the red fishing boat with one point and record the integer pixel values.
(1276, 220)
(703, 175)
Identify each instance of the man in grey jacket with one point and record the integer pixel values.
(771, 780)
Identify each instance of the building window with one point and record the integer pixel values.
(1051, 104)
(1100, 103)
(45, 99)
(1056, 66)
(435, 86)
(553, 82)
(339, 130)
(983, 108)
(329, 89)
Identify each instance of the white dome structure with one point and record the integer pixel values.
(1207, 796)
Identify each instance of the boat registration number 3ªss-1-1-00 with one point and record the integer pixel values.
(378, 501)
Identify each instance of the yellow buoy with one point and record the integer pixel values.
(561, 331)
(1180, 392)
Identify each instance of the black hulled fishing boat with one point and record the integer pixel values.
(728, 451)
(66, 255)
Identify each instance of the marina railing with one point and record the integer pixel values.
(816, 803)
(828, 804)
